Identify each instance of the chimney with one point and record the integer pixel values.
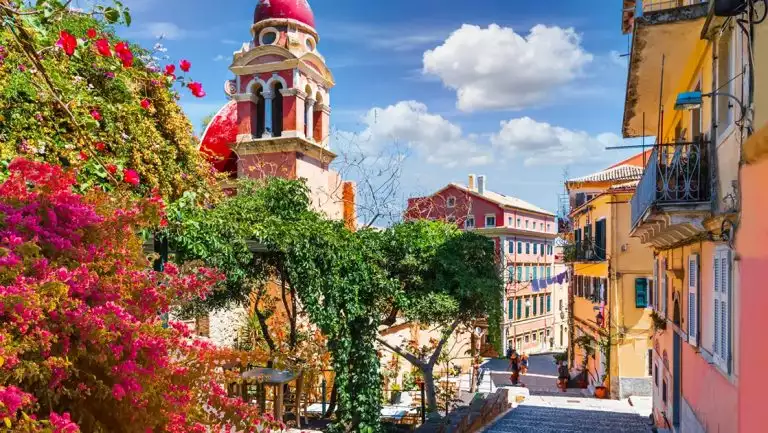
(471, 182)
(481, 184)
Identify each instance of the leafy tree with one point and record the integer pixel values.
(73, 94)
(82, 346)
(446, 278)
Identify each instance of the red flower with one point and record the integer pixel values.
(102, 46)
(124, 53)
(197, 89)
(91, 33)
(111, 168)
(67, 42)
(145, 104)
(131, 177)
(170, 70)
(96, 115)
(83, 156)
(100, 146)
(185, 65)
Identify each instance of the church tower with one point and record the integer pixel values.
(278, 119)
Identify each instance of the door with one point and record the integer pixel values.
(676, 379)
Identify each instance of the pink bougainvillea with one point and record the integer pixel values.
(197, 89)
(67, 42)
(123, 52)
(82, 342)
(102, 47)
(185, 65)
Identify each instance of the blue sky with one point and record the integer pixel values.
(517, 90)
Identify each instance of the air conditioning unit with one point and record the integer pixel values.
(730, 8)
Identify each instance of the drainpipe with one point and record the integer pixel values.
(712, 146)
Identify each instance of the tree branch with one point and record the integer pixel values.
(445, 337)
(410, 357)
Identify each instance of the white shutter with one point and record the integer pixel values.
(693, 296)
(725, 317)
(716, 306)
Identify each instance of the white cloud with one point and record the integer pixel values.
(231, 42)
(219, 58)
(540, 143)
(410, 124)
(158, 29)
(496, 68)
(618, 59)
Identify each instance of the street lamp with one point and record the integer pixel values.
(693, 100)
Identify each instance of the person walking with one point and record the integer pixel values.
(562, 375)
(514, 366)
(524, 364)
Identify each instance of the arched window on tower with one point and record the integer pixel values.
(277, 110)
(309, 109)
(257, 118)
(317, 124)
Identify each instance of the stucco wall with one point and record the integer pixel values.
(752, 237)
(325, 185)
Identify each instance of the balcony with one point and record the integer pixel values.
(673, 196)
(652, 6)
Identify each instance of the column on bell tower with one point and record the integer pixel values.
(293, 112)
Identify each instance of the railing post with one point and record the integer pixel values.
(423, 403)
(322, 391)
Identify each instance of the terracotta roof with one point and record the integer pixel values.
(504, 200)
(621, 172)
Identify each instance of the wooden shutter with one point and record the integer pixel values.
(693, 299)
(656, 283)
(510, 308)
(663, 276)
(716, 307)
(641, 292)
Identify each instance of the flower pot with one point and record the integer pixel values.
(601, 392)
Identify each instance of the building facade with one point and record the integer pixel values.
(524, 236)
(610, 285)
(687, 204)
(276, 124)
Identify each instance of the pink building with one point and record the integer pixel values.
(525, 240)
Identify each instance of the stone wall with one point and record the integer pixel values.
(639, 386)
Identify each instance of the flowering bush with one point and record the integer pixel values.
(67, 83)
(82, 345)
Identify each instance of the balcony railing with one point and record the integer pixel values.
(662, 5)
(676, 174)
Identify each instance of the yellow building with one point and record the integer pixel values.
(689, 87)
(611, 322)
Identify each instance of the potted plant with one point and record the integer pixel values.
(601, 391)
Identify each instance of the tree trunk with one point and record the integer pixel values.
(332, 404)
(429, 387)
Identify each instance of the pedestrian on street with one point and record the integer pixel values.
(562, 375)
(524, 364)
(514, 366)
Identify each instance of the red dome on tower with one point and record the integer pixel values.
(298, 10)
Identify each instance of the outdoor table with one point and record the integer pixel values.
(277, 379)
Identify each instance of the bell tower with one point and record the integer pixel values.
(282, 90)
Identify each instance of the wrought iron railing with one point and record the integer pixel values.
(661, 5)
(675, 174)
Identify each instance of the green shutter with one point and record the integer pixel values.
(519, 247)
(534, 305)
(519, 308)
(510, 309)
(641, 292)
(535, 272)
(549, 272)
(549, 303)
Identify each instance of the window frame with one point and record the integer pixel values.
(722, 353)
(450, 202)
(487, 216)
(467, 225)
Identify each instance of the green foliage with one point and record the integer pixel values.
(157, 143)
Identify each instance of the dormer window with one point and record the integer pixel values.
(490, 220)
(470, 223)
(451, 202)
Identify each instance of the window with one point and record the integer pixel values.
(509, 221)
(519, 273)
(542, 249)
(656, 376)
(519, 247)
(664, 390)
(510, 309)
(549, 227)
(527, 248)
(518, 222)
(641, 292)
(451, 202)
(470, 224)
(490, 220)
(511, 247)
(549, 303)
(519, 308)
(549, 272)
(535, 248)
(527, 338)
(535, 272)
(541, 304)
(526, 223)
(527, 308)
(527, 272)
(451, 219)
(511, 273)
(549, 249)
(693, 296)
(725, 82)
(722, 295)
(600, 252)
(533, 336)
(577, 237)
(535, 305)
